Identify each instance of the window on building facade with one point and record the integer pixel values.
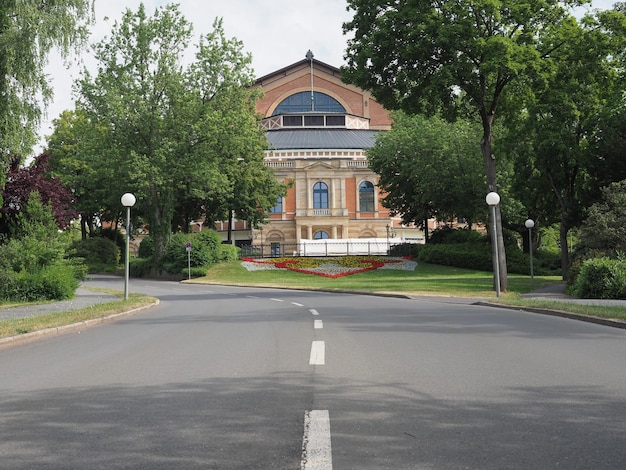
(310, 121)
(321, 235)
(320, 196)
(278, 208)
(366, 197)
(292, 121)
(300, 102)
(336, 121)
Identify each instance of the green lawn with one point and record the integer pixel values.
(426, 279)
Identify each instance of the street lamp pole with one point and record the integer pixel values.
(128, 200)
(530, 223)
(493, 199)
(388, 248)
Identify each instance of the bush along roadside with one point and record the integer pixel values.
(206, 249)
(601, 278)
(477, 255)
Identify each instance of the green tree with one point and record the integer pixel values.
(453, 57)
(79, 157)
(29, 29)
(553, 133)
(428, 168)
(603, 230)
(172, 130)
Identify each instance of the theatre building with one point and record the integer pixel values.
(319, 130)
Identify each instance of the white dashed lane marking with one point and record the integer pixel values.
(316, 448)
(313, 311)
(297, 304)
(318, 324)
(317, 357)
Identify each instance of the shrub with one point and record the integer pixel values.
(448, 235)
(56, 282)
(198, 271)
(139, 267)
(210, 240)
(478, 255)
(146, 247)
(97, 251)
(31, 254)
(460, 255)
(228, 253)
(601, 278)
(175, 258)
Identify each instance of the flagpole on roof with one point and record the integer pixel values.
(309, 57)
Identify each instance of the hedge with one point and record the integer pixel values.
(601, 278)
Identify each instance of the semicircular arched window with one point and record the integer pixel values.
(321, 235)
(301, 102)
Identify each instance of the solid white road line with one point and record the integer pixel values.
(318, 324)
(317, 353)
(316, 449)
(313, 311)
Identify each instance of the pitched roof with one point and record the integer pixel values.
(316, 63)
(321, 139)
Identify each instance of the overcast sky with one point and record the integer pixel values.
(276, 32)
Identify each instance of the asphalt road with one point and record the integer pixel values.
(221, 377)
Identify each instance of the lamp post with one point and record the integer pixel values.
(128, 201)
(493, 199)
(530, 223)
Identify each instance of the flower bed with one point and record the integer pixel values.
(330, 267)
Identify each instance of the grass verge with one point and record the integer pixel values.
(40, 322)
(600, 311)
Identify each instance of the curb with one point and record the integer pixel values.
(559, 313)
(57, 330)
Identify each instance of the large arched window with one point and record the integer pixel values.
(321, 235)
(366, 197)
(301, 102)
(320, 195)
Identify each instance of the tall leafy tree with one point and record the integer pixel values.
(78, 157)
(454, 57)
(171, 128)
(29, 29)
(567, 113)
(428, 168)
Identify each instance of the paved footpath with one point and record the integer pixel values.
(557, 292)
